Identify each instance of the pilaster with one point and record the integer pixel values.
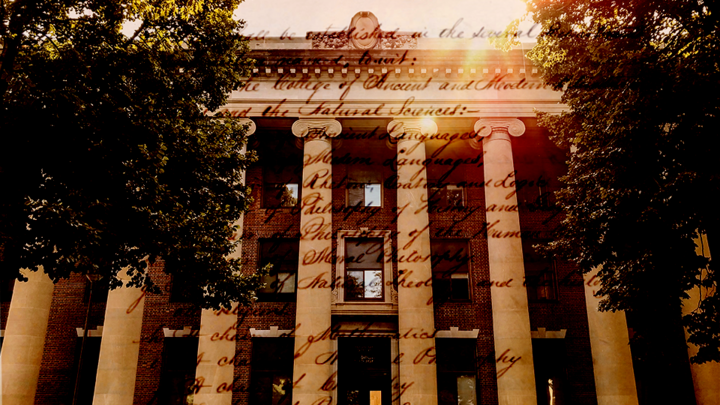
(314, 383)
(511, 319)
(415, 307)
(24, 339)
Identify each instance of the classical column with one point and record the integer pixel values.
(120, 345)
(511, 319)
(610, 344)
(706, 376)
(210, 377)
(314, 382)
(24, 341)
(415, 308)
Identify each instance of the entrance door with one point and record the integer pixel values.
(364, 373)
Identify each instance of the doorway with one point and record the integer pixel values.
(364, 371)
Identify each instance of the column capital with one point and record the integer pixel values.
(417, 129)
(251, 125)
(316, 129)
(490, 129)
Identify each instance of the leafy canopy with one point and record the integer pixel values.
(107, 159)
(641, 80)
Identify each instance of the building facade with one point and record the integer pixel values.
(401, 188)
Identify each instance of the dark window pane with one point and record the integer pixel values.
(354, 285)
(460, 287)
(356, 194)
(449, 256)
(364, 253)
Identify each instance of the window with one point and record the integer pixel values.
(281, 195)
(448, 196)
(281, 283)
(177, 374)
(450, 265)
(281, 187)
(364, 265)
(456, 371)
(271, 371)
(364, 187)
(540, 274)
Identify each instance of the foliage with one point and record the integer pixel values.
(108, 161)
(642, 82)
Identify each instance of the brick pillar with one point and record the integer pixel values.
(120, 345)
(706, 376)
(511, 319)
(415, 308)
(612, 360)
(210, 377)
(24, 341)
(314, 382)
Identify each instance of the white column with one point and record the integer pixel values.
(415, 308)
(610, 344)
(120, 345)
(511, 319)
(313, 318)
(214, 381)
(706, 376)
(25, 337)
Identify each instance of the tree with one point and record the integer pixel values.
(642, 82)
(108, 160)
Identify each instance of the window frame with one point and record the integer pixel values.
(389, 298)
(453, 276)
(279, 296)
(551, 270)
(443, 202)
(268, 186)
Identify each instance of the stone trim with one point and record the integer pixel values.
(455, 332)
(542, 333)
(273, 332)
(186, 331)
(91, 333)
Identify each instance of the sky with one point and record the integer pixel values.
(431, 16)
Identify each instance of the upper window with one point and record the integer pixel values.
(450, 267)
(281, 186)
(540, 273)
(364, 187)
(281, 283)
(364, 265)
(447, 196)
